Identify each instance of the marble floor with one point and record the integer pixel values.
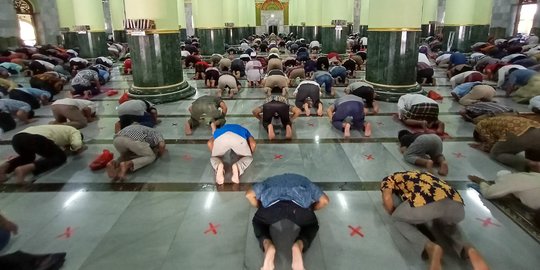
(170, 215)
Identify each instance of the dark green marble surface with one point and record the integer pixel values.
(363, 31)
(392, 63)
(244, 32)
(311, 33)
(93, 44)
(497, 32)
(158, 64)
(428, 30)
(183, 34)
(69, 40)
(120, 36)
(9, 42)
(333, 40)
(211, 40)
(465, 36)
(293, 29)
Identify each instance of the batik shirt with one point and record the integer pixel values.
(496, 129)
(419, 188)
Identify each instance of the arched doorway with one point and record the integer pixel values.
(25, 15)
(272, 15)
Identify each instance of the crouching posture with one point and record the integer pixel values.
(277, 108)
(287, 196)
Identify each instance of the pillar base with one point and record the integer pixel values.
(333, 40)
(536, 31)
(9, 42)
(244, 32)
(211, 40)
(392, 63)
(233, 35)
(69, 40)
(93, 44)
(157, 73)
(428, 30)
(465, 36)
(294, 29)
(363, 31)
(120, 36)
(310, 33)
(183, 34)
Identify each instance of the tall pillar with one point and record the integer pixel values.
(465, 26)
(9, 26)
(230, 16)
(209, 25)
(503, 18)
(251, 20)
(293, 16)
(156, 56)
(301, 19)
(334, 37)
(182, 23)
(364, 17)
(92, 43)
(429, 17)
(536, 22)
(393, 47)
(312, 30)
(118, 14)
(66, 19)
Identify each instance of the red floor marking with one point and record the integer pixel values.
(356, 230)
(276, 156)
(310, 124)
(369, 157)
(380, 123)
(458, 155)
(67, 233)
(187, 157)
(486, 222)
(212, 228)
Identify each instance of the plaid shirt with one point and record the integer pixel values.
(141, 133)
(489, 108)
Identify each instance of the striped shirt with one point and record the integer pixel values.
(490, 108)
(141, 133)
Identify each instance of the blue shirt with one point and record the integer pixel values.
(234, 128)
(519, 77)
(37, 93)
(464, 88)
(287, 187)
(458, 59)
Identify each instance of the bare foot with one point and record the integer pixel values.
(367, 129)
(476, 179)
(297, 260)
(271, 133)
(288, 132)
(112, 170)
(435, 254)
(269, 255)
(124, 168)
(443, 169)
(476, 260)
(429, 166)
(320, 111)
(307, 110)
(20, 175)
(347, 130)
(220, 174)
(187, 129)
(235, 178)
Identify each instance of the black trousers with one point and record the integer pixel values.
(304, 218)
(276, 109)
(28, 146)
(7, 122)
(25, 97)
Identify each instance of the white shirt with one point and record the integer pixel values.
(406, 101)
(422, 58)
(525, 186)
(106, 60)
(314, 44)
(509, 58)
(460, 78)
(504, 70)
(363, 41)
(79, 103)
(48, 65)
(443, 58)
(78, 59)
(535, 102)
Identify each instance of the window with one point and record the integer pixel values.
(525, 16)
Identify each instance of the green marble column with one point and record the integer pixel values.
(497, 32)
(120, 36)
(93, 44)
(183, 34)
(157, 76)
(428, 30)
(392, 57)
(244, 32)
(70, 39)
(363, 31)
(311, 33)
(293, 29)
(333, 40)
(212, 40)
(229, 36)
(8, 42)
(465, 36)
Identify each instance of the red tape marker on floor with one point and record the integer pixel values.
(369, 157)
(355, 231)
(276, 156)
(212, 228)
(458, 155)
(487, 222)
(67, 233)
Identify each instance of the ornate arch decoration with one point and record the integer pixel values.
(23, 7)
(272, 5)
